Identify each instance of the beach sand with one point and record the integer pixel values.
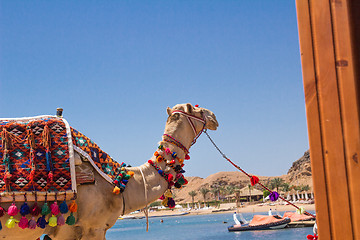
(245, 209)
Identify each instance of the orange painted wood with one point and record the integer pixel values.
(349, 92)
(331, 84)
(330, 120)
(313, 119)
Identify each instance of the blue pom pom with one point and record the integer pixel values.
(174, 154)
(125, 181)
(24, 209)
(160, 172)
(63, 207)
(41, 222)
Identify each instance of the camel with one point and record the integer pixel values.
(99, 208)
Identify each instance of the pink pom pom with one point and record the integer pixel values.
(187, 157)
(24, 223)
(13, 210)
(162, 197)
(32, 223)
(60, 220)
(55, 208)
(167, 151)
(179, 175)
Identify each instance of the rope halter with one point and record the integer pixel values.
(189, 117)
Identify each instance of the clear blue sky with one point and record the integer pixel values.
(114, 66)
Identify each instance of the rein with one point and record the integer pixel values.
(255, 180)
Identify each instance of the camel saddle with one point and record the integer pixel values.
(37, 158)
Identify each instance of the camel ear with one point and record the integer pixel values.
(189, 108)
(169, 111)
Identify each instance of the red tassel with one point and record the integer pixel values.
(50, 176)
(254, 180)
(31, 175)
(170, 177)
(312, 237)
(187, 157)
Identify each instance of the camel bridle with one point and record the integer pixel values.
(190, 119)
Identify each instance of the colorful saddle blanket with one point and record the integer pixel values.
(37, 155)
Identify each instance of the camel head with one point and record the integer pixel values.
(203, 113)
(186, 122)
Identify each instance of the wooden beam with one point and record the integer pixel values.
(313, 118)
(331, 94)
(348, 92)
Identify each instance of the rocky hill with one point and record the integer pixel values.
(298, 174)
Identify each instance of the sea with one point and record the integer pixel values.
(197, 227)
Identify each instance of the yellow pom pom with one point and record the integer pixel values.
(131, 173)
(53, 221)
(116, 190)
(165, 202)
(10, 223)
(122, 169)
(168, 193)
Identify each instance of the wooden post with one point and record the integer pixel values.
(328, 50)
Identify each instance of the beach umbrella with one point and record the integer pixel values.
(294, 198)
(188, 205)
(288, 197)
(204, 205)
(297, 195)
(199, 206)
(312, 195)
(303, 195)
(306, 196)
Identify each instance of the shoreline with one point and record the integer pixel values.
(245, 209)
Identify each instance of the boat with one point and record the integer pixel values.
(262, 222)
(299, 220)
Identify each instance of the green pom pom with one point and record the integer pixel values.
(70, 220)
(45, 210)
(181, 181)
(123, 173)
(127, 177)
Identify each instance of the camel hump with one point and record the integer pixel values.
(37, 155)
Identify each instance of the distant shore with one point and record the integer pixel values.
(245, 209)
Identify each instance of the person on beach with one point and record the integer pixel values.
(237, 222)
(270, 212)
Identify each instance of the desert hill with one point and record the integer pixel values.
(299, 174)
